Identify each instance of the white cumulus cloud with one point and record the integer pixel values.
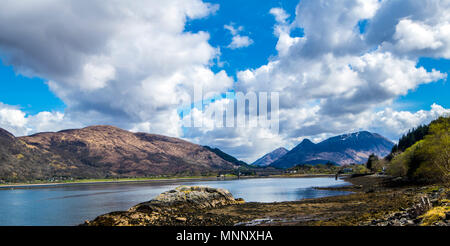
(238, 41)
(14, 120)
(114, 62)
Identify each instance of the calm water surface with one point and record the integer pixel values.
(72, 204)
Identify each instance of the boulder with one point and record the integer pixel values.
(180, 206)
(188, 197)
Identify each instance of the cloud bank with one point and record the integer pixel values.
(115, 62)
(132, 64)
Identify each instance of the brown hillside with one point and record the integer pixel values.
(106, 151)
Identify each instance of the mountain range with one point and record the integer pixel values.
(271, 157)
(110, 152)
(341, 150)
(102, 152)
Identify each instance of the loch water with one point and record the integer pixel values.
(65, 205)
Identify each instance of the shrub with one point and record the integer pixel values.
(371, 161)
(434, 215)
(399, 166)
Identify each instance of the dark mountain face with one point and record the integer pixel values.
(343, 149)
(226, 156)
(5, 135)
(102, 151)
(271, 157)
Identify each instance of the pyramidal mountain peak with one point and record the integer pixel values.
(342, 149)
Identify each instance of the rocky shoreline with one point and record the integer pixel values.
(375, 201)
(419, 213)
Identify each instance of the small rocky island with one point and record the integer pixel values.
(375, 201)
(181, 206)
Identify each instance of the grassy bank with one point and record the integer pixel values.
(102, 181)
(147, 179)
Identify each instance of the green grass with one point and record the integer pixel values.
(105, 180)
(112, 180)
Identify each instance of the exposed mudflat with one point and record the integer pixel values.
(374, 199)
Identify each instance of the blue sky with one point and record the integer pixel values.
(340, 66)
(258, 24)
(428, 94)
(32, 95)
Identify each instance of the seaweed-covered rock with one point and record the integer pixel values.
(181, 206)
(191, 197)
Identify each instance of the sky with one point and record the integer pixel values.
(339, 66)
